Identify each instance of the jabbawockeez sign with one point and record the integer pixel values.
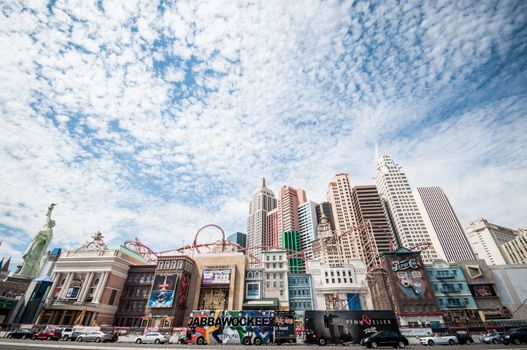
(402, 265)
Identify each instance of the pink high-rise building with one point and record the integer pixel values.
(272, 235)
(289, 199)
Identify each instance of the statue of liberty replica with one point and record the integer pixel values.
(37, 248)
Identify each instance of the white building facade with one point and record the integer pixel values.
(307, 220)
(394, 188)
(486, 240)
(275, 281)
(339, 287)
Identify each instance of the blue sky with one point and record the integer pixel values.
(152, 119)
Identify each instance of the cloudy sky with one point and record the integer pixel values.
(154, 118)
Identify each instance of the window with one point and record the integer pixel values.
(274, 257)
(112, 297)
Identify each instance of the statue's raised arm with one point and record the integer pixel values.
(50, 209)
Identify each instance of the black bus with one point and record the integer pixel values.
(340, 327)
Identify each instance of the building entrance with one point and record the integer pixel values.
(213, 298)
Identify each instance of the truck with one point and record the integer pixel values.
(245, 327)
(346, 327)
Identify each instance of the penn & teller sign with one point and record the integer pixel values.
(402, 265)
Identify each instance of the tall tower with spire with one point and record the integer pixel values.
(262, 202)
(394, 188)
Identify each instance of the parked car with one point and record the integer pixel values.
(46, 335)
(152, 337)
(439, 339)
(22, 333)
(494, 338)
(96, 336)
(515, 336)
(66, 333)
(464, 338)
(74, 335)
(385, 338)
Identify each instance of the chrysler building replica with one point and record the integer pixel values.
(394, 188)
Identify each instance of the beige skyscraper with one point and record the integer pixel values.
(340, 198)
(393, 186)
(262, 202)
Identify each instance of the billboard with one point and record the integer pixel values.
(409, 280)
(482, 290)
(162, 295)
(216, 277)
(183, 288)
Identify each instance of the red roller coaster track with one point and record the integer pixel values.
(142, 249)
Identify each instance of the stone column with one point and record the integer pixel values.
(56, 279)
(102, 282)
(98, 286)
(64, 289)
(85, 287)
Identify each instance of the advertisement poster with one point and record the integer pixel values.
(183, 288)
(410, 283)
(482, 290)
(72, 293)
(216, 277)
(162, 295)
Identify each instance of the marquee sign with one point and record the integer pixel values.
(402, 265)
(216, 277)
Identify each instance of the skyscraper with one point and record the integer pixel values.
(272, 238)
(487, 239)
(375, 229)
(289, 199)
(394, 187)
(442, 223)
(324, 209)
(262, 201)
(238, 237)
(339, 196)
(291, 241)
(307, 221)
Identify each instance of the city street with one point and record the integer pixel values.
(10, 344)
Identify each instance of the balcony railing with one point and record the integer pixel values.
(53, 301)
(450, 289)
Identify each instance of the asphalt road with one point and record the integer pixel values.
(13, 344)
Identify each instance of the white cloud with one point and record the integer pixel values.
(294, 91)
